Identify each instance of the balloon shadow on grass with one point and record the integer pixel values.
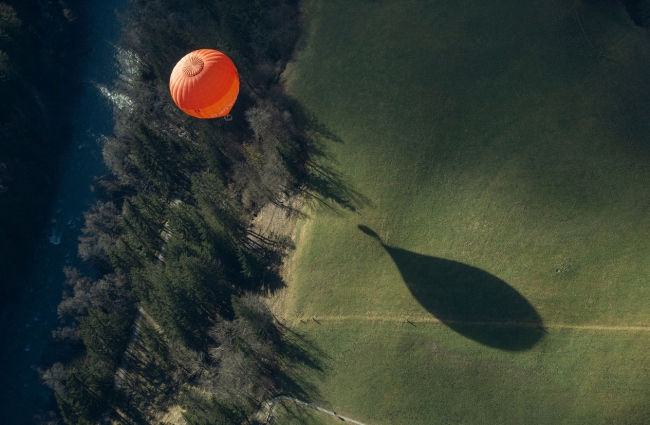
(468, 300)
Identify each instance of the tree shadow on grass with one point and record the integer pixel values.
(324, 185)
(313, 168)
(303, 360)
(470, 301)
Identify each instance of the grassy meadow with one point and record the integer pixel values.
(502, 150)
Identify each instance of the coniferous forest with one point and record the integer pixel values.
(180, 269)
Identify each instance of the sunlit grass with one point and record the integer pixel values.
(517, 150)
(507, 136)
(398, 373)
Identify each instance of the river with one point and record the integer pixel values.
(30, 317)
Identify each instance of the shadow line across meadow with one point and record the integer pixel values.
(472, 302)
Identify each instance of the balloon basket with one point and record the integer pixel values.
(228, 117)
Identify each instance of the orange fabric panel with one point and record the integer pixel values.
(204, 84)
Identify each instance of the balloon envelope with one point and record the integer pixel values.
(205, 84)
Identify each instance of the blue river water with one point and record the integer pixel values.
(27, 324)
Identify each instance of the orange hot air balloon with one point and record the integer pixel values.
(205, 84)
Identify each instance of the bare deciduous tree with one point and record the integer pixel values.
(54, 377)
(100, 232)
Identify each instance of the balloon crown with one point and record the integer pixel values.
(193, 66)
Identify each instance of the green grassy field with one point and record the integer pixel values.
(503, 148)
(388, 373)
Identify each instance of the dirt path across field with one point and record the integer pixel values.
(412, 320)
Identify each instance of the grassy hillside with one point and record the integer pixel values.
(398, 373)
(502, 147)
